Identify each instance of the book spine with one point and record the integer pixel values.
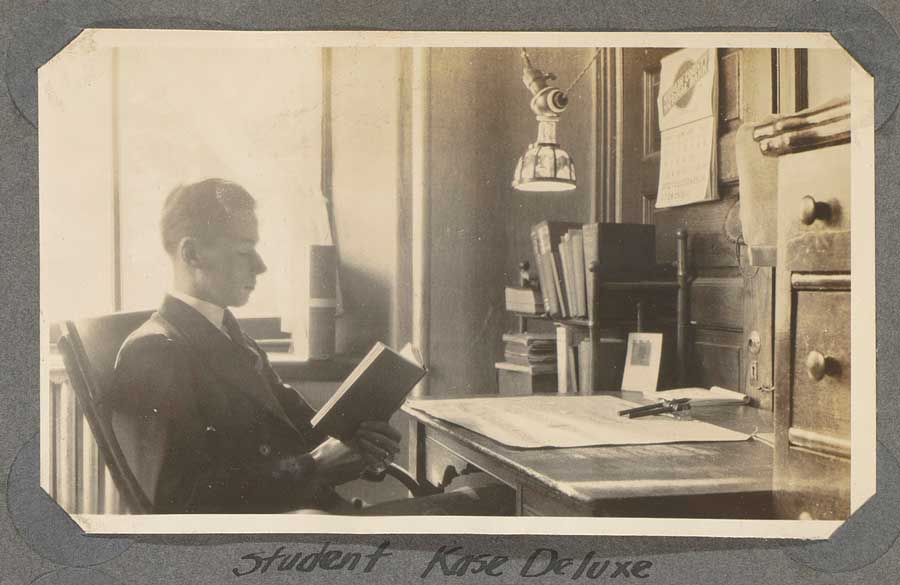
(322, 300)
(565, 252)
(585, 367)
(572, 377)
(541, 270)
(538, 367)
(589, 235)
(550, 291)
(577, 241)
(609, 363)
(559, 285)
(562, 356)
(539, 350)
(543, 231)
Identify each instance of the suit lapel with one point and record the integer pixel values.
(231, 363)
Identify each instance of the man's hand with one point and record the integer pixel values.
(373, 446)
(338, 461)
(378, 443)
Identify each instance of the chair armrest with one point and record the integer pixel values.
(409, 482)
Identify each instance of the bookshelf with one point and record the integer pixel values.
(621, 302)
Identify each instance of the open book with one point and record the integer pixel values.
(374, 390)
(701, 396)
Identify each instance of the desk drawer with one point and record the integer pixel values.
(814, 209)
(820, 398)
(541, 502)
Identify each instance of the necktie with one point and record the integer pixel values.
(234, 332)
(230, 324)
(233, 329)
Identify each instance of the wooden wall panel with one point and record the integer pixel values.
(707, 243)
(729, 300)
(718, 359)
(717, 303)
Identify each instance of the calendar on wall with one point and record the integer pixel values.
(688, 115)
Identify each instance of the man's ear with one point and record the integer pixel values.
(190, 253)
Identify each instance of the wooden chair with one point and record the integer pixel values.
(89, 348)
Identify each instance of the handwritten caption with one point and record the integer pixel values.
(446, 561)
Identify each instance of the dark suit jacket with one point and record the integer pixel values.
(207, 426)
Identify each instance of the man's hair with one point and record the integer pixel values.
(201, 210)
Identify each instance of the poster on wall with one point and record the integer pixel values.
(688, 114)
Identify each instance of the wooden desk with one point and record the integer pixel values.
(702, 480)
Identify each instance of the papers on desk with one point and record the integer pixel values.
(567, 421)
(714, 396)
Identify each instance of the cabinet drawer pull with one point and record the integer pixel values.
(815, 365)
(811, 210)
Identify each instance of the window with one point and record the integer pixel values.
(122, 126)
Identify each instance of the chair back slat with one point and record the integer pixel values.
(89, 348)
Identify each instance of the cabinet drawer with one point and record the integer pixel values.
(814, 209)
(820, 398)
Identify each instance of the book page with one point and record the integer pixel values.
(411, 354)
(568, 421)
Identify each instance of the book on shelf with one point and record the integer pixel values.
(585, 367)
(534, 348)
(524, 300)
(374, 390)
(545, 237)
(567, 341)
(576, 237)
(529, 360)
(559, 285)
(524, 309)
(550, 305)
(616, 248)
(572, 371)
(609, 363)
(565, 252)
(530, 338)
(533, 369)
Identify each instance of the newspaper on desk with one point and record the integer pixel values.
(533, 422)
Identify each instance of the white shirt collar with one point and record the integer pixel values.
(213, 313)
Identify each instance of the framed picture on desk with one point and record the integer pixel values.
(642, 360)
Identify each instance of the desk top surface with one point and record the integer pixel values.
(589, 474)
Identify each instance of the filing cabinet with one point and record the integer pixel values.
(812, 316)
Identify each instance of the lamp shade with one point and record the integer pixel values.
(544, 167)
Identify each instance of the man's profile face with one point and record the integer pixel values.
(230, 263)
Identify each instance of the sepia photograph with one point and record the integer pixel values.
(471, 283)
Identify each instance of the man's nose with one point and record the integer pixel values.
(259, 266)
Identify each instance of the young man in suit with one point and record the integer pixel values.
(204, 421)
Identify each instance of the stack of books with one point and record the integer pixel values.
(534, 353)
(564, 252)
(524, 300)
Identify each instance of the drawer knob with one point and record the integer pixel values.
(811, 210)
(815, 365)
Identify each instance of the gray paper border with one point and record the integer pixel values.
(32, 32)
